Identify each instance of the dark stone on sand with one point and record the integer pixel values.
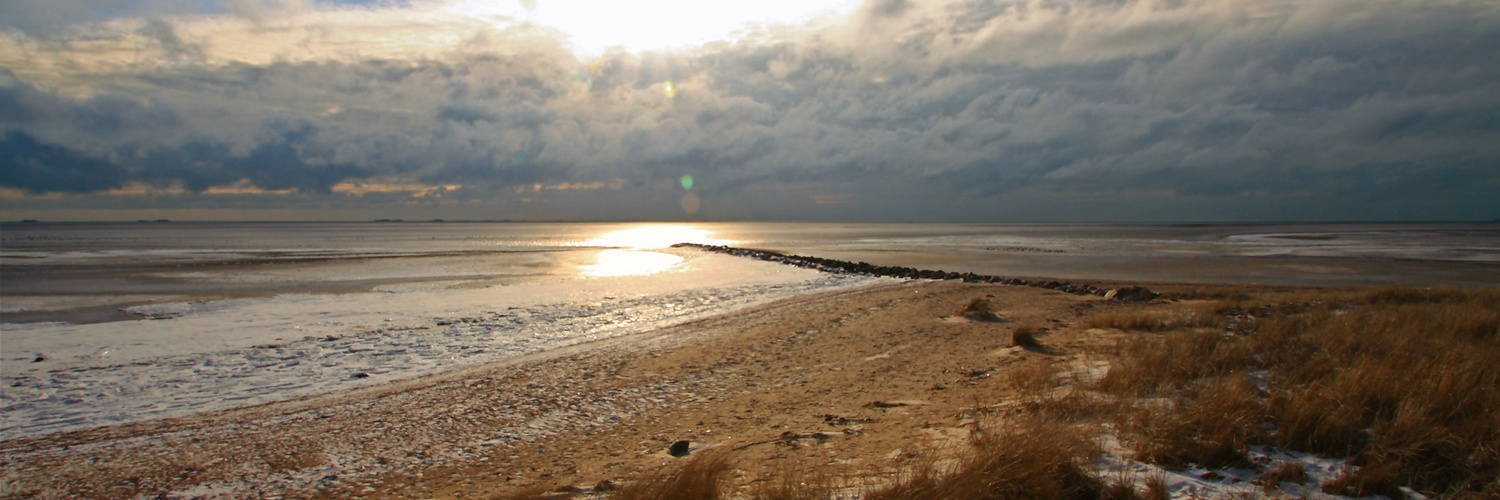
(679, 449)
(604, 485)
(1135, 294)
(361, 375)
(39, 358)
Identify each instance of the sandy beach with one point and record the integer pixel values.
(863, 379)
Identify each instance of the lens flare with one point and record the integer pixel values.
(687, 182)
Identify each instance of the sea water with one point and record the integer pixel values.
(113, 323)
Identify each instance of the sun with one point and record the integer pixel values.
(595, 26)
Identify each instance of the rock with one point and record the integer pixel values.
(361, 375)
(604, 485)
(1111, 293)
(1133, 294)
(679, 449)
(39, 358)
(836, 420)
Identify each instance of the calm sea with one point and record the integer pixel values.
(71, 262)
(111, 323)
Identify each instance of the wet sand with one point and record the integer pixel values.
(99, 292)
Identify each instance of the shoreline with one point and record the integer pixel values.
(601, 410)
(209, 356)
(862, 381)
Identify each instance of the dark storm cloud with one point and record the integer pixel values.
(41, 168)
(1395, 104)
(290, 157)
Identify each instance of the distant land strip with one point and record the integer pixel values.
(1134, 293)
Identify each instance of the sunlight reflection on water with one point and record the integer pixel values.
(630, 262)
(627, 257)
(655, 236)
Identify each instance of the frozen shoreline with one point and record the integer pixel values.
(206, 356)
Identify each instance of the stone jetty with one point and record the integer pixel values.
(1133, 293)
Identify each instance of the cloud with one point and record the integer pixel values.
(41, 168)
(1332, 106)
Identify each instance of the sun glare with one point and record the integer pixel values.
(626, 255)
(594, 26)
(658, 236)
(630, 263)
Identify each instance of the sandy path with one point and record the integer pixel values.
(797, 380)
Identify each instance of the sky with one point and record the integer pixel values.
(825, 110)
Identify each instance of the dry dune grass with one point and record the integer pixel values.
(1406, 382)
(1214, 427)
(704, 477)
(1285, 473)
(1144, 318)
(1031, 459)
(1150, 365)
(1025, 336)
(798, 482)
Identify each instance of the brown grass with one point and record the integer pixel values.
(981, 310)
(1025, 336)
(1072, 405)
(1030, 460)
(797, 482)
(1407, 382)
(978, 306)
(1158, 364)
(1288, 472)
(1213, 428)
(1120, 490)
(1373, 479)
(1156, 488)
(1139, 318)
(1229, 293)
(1034, 377)
(703, 477)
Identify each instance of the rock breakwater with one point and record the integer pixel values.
(1134, 293)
